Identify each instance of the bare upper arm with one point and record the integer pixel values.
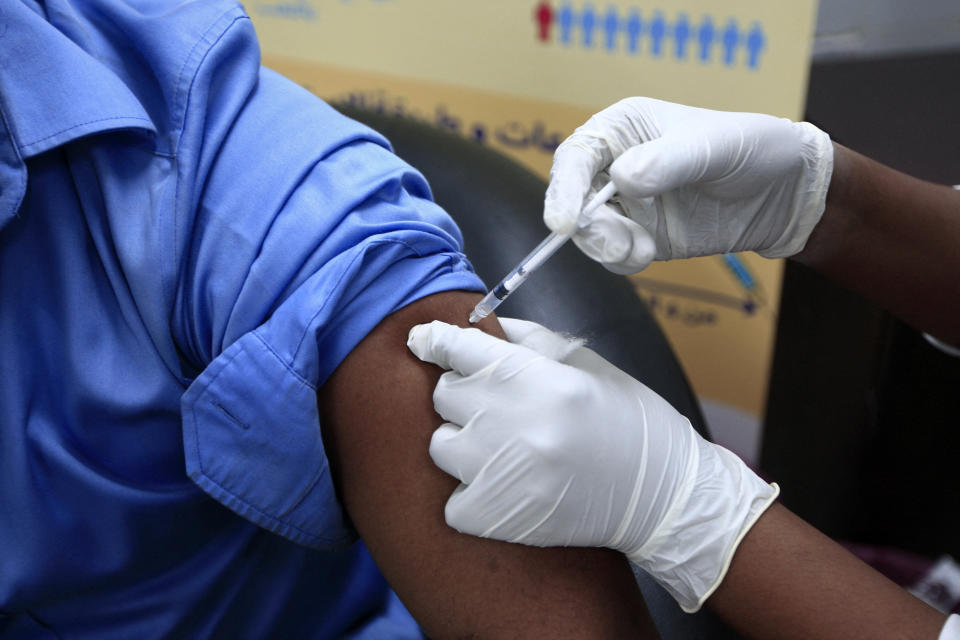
(378, 417)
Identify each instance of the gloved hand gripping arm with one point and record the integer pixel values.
(554, 446)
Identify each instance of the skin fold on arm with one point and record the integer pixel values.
(378, 417)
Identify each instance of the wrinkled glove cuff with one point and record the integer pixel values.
(690, 553)
(810, 197)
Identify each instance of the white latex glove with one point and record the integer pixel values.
(691, 182)
(554, 446)
(951, 629)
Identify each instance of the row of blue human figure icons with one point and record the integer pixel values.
(609, 27)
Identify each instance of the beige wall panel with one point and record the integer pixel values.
(482, 70)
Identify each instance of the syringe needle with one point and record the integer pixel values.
(535, 258)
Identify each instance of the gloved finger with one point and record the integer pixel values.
(575, 163)
(661, 165)
(459, 514)
(460, 399)
(538, 338)
(465, 351)
(617, 242)
(498, 503)
(456, 453)
(478, 509)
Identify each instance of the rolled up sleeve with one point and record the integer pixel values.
(307, 232)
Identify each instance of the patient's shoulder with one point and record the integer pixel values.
(378, 417)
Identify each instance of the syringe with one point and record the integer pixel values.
(537, 257)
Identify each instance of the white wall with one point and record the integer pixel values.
(868, 28)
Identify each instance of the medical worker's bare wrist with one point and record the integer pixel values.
(789, 581)
(690, 553)
(828, 235)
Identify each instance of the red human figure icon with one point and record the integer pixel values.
(544, 17)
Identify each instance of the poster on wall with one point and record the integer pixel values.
(520, 76)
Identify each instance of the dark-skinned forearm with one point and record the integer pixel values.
(893, 239)
(789, 581)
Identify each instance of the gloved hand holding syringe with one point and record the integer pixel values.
(537, 257)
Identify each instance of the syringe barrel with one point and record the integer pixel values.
(533, 260)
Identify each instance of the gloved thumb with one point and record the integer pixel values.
(661, 165)
(452, 450)
(617, 242)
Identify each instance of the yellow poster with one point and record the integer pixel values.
(521, 75)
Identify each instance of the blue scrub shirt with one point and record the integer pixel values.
(189, 245)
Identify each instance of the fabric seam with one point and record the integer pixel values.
(21, 185)
(236, 496)
(183, 96)
(343, 274)
(81, 124)
(185, 99)
(288, 366)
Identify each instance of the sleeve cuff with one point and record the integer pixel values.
(251, 427)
